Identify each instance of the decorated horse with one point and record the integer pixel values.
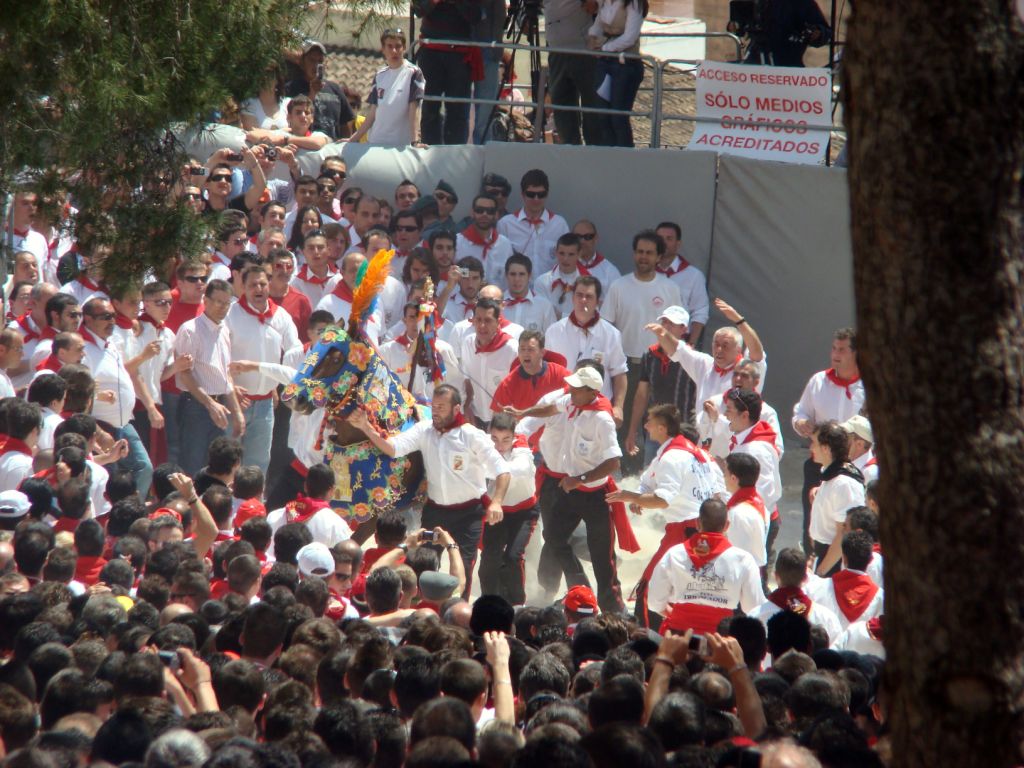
(343, 372)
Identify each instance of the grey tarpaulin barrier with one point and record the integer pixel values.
(621, 190)
(781, 255)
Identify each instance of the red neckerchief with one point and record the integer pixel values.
(404, 340)
(51, 363)
(659, 354)
(705, 547)
(303, 508)
(30, 334)
(875, 628)
(761, 432)
(342, 291)
(89, 338)
(84, 279)
(565, 286)
(471, 234)
(123, 322)
(309, 277)
(512, 301)
(680, 443)
(22, 233)
(873, 461)
(854, 593)
(877, 547)
(669, 271)
(145, 317)
(598, 258)
(496, 343)
(599, 403)
(49, 332)
(14, 445)
(791, 599)
(749, 496)
(719, 370)
(263, 316)
(587, 325)
(834, 377)
(87, 569)
(457, 422)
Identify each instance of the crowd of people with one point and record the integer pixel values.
(179, 585)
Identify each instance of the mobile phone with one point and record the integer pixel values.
(698, 645)
(194, 171)
(427, 537)
(319, 71)
(169, 659)
(235, 157)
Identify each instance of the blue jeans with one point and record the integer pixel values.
(259, 431)
(485, 89)
(626, 77)
(137, 461)
(169, 407)
(197, 434)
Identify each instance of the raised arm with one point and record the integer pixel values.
(755, 351)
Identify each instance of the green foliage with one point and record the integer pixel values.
(90, 88)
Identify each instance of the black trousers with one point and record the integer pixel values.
(820, 550)
(289, 485)
(591, 508)
(549, 569)
(447, 74)
(464, 525)
(812, 479)
(503, 559)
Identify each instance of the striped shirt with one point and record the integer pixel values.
(210, 347)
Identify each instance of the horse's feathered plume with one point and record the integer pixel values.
(370, 283)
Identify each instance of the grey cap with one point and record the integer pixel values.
(436, 586)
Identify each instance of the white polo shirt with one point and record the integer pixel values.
(710, 382)
(83, 289)
(312, 287)
(682, 481)
(399, 359)
(631, 304)
(833, 499)
(605, 272)
(822, 400)
(458, 308)
(15, 465)
(522, 486)
(457, 462)
(485, 371)
(731, 578)
(769, 481)
(588, 440)
(492, 255)
(818, 614)
(749, 531)
(51, 420)
(325, 525)
(107, 365)
(274, 340)
(32, 241)
(556, 287)
(532, 312)
(601, 342)
(719, 434)
(534, 239)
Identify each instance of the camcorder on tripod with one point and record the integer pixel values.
(523, 21)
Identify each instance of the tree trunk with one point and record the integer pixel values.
(935, 115)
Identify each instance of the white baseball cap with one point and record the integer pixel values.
(315, 560)
(585, 377)
(859, 426)
(14, 504)
(675, 314)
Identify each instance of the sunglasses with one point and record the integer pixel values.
(350, 200)
(193, 196)
(343, 576)
(221, 177)
(196, 279)
(328, 188)
(239, 241)
(107, 316)
(160, 302)
(444, 197)
(481, 209)
(536, 195)
(588, 237)
(407, 228)
(333, 174)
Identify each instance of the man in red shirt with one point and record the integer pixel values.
(187, 305)
(532, 375)
(281, 266)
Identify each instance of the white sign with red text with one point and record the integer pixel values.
(763, 112)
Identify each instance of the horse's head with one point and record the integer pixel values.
(341, 372)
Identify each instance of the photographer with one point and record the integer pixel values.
(779, 30)
(571, 78)
(331, 111)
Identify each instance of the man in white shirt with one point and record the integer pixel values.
(863, 637)
(692, 285)
(313, 509)
(850, 593)
(156, 344)
(406, 229)
(750, 434)
(713, 373)
(31, 326)
(454, 334)
(487, 355)
(23, 424)
(482, 241)
(590, 259)
(712, 426)
(460, 304)
(398, 356)
(208, 401)
(105, 361)
(88, 283)
(842, 488)
(702, 581)
(834, 394)
(586, 455)
(584, 334)
(339, 301)
(366, 217)
(523, 306)
(748, 517)
(457, 458)
(556, 286)
(317, 277)
(26, 204)
(790, 575)
(48, 392)
(11, 350)
(533, 230)
(63, 315)
(260, 331)
(861, 440)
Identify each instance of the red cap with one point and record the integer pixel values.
(165, 511)
(580, 599)
(247, 509)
